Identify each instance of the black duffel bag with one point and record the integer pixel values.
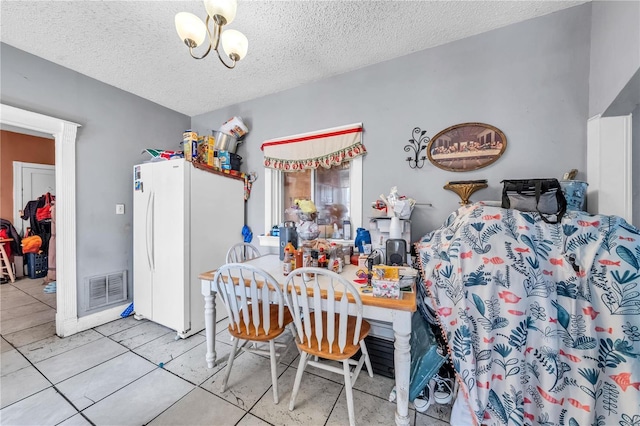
(535, 195)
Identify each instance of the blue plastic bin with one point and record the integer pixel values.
(37, 265)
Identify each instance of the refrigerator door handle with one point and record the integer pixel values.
(147, 230)
(153, 218)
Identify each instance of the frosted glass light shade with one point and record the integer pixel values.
(189, 26)
(234, 42)
(225, 8)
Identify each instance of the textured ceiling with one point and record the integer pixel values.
(133, 45)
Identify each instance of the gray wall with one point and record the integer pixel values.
(628, 102)
(116, 127)
(531, 80)
(614, 81)
(615, 50)
(635, 177)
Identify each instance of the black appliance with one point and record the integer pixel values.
(288, 234)
(396, 252)
(235, 161)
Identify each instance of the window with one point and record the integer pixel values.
(336, 192)
(328, 188)
(296, 185)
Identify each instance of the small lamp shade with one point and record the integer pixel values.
(189, 26)
(234, 42)
(225, 8)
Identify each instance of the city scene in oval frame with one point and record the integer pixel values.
(467, 146)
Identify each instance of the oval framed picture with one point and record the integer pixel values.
(467, 146)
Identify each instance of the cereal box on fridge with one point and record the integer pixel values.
(209, 142)
(189, 144)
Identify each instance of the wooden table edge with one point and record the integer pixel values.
(407, 303)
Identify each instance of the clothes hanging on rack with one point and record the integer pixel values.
(38, 227)
(29, 213)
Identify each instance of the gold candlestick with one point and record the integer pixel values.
(464, 189)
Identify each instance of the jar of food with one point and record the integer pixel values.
(322, 258)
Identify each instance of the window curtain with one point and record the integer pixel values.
(324, 148)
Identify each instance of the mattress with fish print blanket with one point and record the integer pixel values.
(542, 321)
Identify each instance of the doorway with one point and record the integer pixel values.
(28, 173)
(64, 133)
(30, 181)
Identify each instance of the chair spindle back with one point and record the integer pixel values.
(242, 252)
(247, 293)
(314, 282)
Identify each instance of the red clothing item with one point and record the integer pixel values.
(7, 246)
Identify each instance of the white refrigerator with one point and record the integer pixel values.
(184, 221)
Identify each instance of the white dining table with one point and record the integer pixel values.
(398, 312)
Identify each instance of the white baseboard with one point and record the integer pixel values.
(89, 321)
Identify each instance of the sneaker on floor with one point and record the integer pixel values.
(424, 399)
(442, 389)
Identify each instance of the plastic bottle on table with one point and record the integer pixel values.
(335, 263)
(363, 236)
(287, 262)
(306, 258)
(292, 251)
(346, 229)
(299, 262)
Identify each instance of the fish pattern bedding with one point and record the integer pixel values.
(542, 321)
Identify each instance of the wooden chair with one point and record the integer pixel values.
(242, 252)
(6, 267)
(324, 327)
(255, 306)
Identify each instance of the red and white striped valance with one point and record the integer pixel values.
(324, 148)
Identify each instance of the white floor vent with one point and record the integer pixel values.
(106, 289)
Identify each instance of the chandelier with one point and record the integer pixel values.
(193, 31)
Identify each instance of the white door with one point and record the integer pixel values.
(30, 182)
(609, 166)
(142, 270)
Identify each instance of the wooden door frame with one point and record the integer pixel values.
(17, 184)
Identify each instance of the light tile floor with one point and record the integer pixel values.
(110, 375)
